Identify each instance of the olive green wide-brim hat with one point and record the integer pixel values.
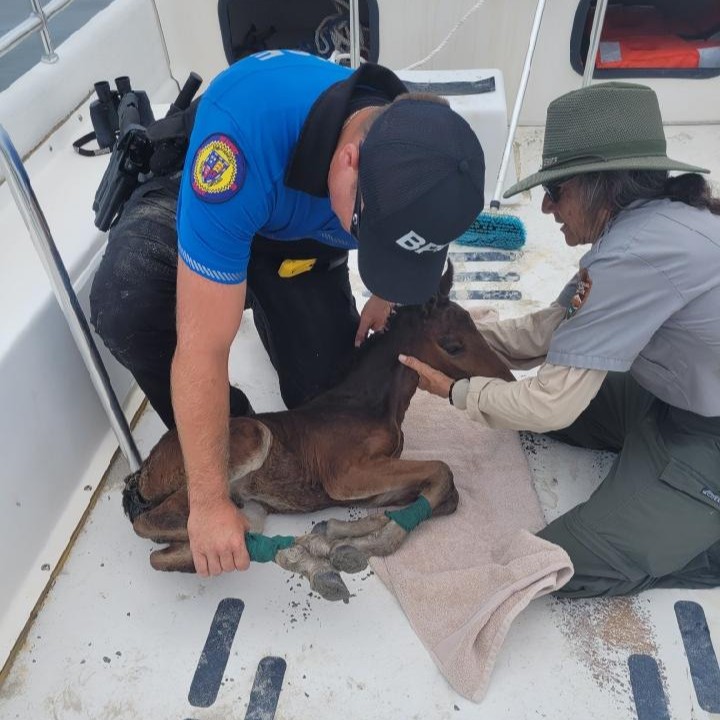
(610, 126)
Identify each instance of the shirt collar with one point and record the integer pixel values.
(310, 161)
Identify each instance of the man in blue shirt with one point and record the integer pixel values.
(292, 162)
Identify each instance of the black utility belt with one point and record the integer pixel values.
(292, 267)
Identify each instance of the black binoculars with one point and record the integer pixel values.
(120, 120)
(105, 111)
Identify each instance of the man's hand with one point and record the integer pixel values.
(374, 317)
(217, 538)
(431, 380)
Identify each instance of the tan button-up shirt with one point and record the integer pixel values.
(550, 400)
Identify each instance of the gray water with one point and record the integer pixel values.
(28, 53)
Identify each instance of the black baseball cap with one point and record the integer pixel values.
(422, 179)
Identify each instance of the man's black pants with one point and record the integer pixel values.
(307, 323)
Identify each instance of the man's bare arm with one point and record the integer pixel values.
(208, 317)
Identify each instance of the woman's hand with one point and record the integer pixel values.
(374, 317)
(431, 380)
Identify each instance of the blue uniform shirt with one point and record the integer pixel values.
(247, 127)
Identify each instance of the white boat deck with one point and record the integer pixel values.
(115, 639)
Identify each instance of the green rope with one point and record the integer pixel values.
(410, 517)
(262, 548)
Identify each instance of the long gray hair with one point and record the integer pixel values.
(604, 194)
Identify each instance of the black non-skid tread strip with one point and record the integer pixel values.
(486, 295)
(213, 659)
(703, 662)
(484, 256)
(647, 688)
(462, 294)
(484, 276)
(266, 688)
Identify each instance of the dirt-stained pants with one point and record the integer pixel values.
(307, 323)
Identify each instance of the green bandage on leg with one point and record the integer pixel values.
(410, 517)
(262, 548)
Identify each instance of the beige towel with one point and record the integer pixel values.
(462, 579)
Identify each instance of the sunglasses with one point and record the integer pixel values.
(357, 208)
(356, 213)
(553, 191)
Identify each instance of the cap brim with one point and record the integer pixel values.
(635, 163)
(399, 276)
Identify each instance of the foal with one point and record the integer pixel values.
(341, 448)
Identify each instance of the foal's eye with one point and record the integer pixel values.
(451, 346)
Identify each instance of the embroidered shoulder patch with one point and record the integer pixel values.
(582, 290)
(218, 170)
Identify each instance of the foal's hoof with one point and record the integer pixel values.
(329, 584)
(319, 528)
(347, 558)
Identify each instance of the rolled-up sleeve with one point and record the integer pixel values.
(551, 400)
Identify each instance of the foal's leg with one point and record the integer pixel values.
(161, 474)
(255, 514)
(167, 523)
(157, 493)
(324, 578)
(348, 544)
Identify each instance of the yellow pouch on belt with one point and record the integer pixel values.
(290, 268)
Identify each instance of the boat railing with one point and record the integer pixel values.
(26, 201)
(36, 22)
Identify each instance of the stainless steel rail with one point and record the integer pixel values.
(355, 33)
(527, 65)
(594, 44)
(26, 201)
(36, 22)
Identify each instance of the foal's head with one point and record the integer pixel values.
(446, 338)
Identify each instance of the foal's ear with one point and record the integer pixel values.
(442, 296)
(446, 283)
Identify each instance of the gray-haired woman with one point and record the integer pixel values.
(629, 354)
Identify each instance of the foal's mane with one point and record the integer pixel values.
(372, 367)
(406, 314)
(397, 322)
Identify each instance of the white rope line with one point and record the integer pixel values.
(447, 37)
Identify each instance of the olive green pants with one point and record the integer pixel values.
(654, 521)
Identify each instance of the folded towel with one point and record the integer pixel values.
(462, 579)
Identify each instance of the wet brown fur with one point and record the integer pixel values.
(342, 448)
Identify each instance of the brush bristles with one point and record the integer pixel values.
(495, 230)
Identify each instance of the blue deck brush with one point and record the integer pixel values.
(495, 230)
